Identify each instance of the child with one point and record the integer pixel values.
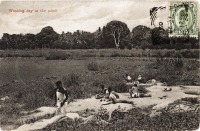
(102, 93)
(61, 97)
(134, 91)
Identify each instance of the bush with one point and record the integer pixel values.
(193, 100)
(93, 66)
(72, 84)
(134, 119)
(174, 71)
(71, 80)
(57, 56)
(24, 96)
(121, 87)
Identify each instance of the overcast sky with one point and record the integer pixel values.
(80, 15)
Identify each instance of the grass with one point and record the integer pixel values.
(193, 100)
(52, 54)
(24, 97)
(83, 77)
(134, 119)
(92, 66)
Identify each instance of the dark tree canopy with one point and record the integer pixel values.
(141, 36)
(159, 36)
(114, 32)
(46, 37)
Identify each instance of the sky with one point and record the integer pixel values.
(71, 15)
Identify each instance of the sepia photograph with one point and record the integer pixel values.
(99, 65)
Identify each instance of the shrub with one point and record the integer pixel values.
(134, 119)
(93, 66)
(121, 87)
(103, 113)
(57, 56)
(193, 100)
(71, 80)
(76, 92)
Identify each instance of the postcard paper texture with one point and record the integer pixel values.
(99, 65)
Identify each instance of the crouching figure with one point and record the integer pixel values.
(136, 92)
(114, 97)
(102, 93)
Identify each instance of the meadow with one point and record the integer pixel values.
(27, 77)
(78, 53)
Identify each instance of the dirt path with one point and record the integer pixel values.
(95, 104)
(156, 92)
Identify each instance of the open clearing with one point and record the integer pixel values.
(26, 83)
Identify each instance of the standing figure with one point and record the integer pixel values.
(61, 97)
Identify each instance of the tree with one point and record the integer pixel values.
(160, 36)
(30, 41)
(141, 36)
(6, 40)
(114, 32)
(46, 37)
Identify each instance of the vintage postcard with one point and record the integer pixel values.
(99, 65)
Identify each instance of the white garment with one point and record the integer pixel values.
(113, 97)
(107, 93)
(129, 78)
(62, 110)
(139, 78)
(60, 98)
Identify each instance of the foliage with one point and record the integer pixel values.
(114, 32)
(193, 100)
(173, 72)
(121, 87)
(54, 55)
(134, 119)
(71, 80)
(93, 66)
(45, 38)
(159, 36)
(33, 92)
(141, 36)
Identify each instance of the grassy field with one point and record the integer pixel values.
(78, 53)
(28, 82)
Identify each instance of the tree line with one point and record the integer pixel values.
(115, 34)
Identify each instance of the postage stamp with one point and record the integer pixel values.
(183, 19)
